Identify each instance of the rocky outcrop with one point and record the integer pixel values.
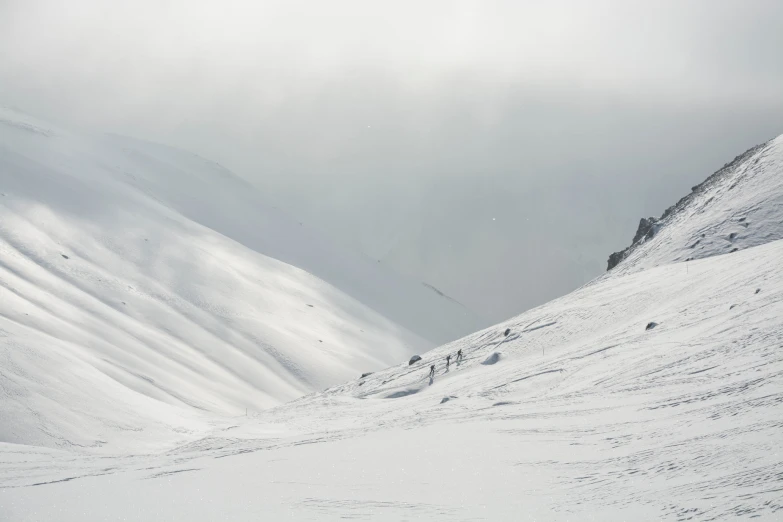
(646, 230)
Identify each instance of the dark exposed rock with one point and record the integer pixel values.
(646, 230)
(366, 375)
(651, 325)
(508, 331)
(615, 258)
(64, 256)
(414, 359)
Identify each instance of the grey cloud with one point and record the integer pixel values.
(404, 128)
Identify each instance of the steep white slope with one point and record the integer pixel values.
(586, 414)
(210, 195)
(738, 207)
(122, 321)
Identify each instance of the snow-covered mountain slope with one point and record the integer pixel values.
(585, 415)
(738, 207)
(122, 319)
(210, 195)
(653, 393)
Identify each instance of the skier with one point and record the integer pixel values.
(459, 356)
(448, 361)
(432, 372)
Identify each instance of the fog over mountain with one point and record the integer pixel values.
(496, 150)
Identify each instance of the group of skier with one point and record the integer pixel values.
(448, 363)
(459, 357)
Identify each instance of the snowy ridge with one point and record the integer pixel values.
(738, 207)
(123, 322)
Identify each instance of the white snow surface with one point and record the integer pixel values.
(738, 207)
(585, 415)
(122, 319)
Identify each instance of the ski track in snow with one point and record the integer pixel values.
(587, 415)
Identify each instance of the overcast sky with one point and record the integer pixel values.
(498, 150)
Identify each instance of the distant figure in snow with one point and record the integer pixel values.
(459, 356)
(448, 361)
(432, 372)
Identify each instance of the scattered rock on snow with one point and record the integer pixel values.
(651, 325)
(446, 399)
(64, 256)
(758, 290)
(732, 306)
(366, 374)
(508, 331)
(414, 359)
(733, 250)
(492, 359)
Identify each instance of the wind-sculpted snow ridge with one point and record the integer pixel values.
(738, 207)
(123, 322)
(586, 414)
